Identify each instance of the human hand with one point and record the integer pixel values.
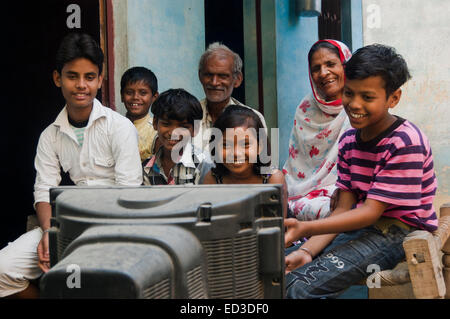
(334, 199)
(43, 253)
(294, 230)
(296, 259)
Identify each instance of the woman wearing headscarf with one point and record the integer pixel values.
(310, 169)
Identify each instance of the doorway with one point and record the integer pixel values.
(31, 35)
(329, 21)
(224, 22)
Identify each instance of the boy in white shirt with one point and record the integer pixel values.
(92, 143)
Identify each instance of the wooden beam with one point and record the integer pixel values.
(424, 264)
(445, 214)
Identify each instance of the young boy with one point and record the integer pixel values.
(386, 181)
(92, 143)
(139, 89)
(176, 161)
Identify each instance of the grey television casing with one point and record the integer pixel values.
(203, 241)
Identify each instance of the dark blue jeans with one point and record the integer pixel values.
(345, 262)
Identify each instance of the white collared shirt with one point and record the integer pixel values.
(109, 154)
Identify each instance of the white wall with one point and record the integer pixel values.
(420, 31)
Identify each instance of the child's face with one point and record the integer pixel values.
(239, 149)
(171, 132)
(137, 98)
(79, 82)
(367, 106)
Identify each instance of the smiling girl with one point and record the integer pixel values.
(239, 152)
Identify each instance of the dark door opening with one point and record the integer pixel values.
(224, 22)
(330, 20)
(31, 33)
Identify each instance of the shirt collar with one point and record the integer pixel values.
(146, 119)
(97, 112)
(207, 116)
(150, 162)
(185, 160)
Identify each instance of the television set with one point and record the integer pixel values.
(169, 242)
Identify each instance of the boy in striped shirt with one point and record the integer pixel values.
(386, 180)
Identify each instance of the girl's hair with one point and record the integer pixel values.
(240, 116)
(177, 104)
(322, 45)
(138, 74)
(79, 45)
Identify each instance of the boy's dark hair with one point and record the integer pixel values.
(236, 116)
(79, 45)
(322, 45)
(378, 60)
(138, 74)
(177, 104)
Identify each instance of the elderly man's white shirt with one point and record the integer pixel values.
(109, 154)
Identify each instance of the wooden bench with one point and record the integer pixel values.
(426, 272)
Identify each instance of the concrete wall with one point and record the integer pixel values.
(286, 39)
(167, 37)
(352, 29)
(420, 30)
(295, 36)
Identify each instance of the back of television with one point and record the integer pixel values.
(224, 241)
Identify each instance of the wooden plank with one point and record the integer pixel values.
(424, 264)
(444, 210)
(445, 213)
(446, 273)
(392, 277)
(442, 234)
(404, 291)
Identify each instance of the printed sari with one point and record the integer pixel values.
(310, 170)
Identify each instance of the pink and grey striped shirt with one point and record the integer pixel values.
(395, 168)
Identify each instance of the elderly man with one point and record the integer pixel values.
(219, 72)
